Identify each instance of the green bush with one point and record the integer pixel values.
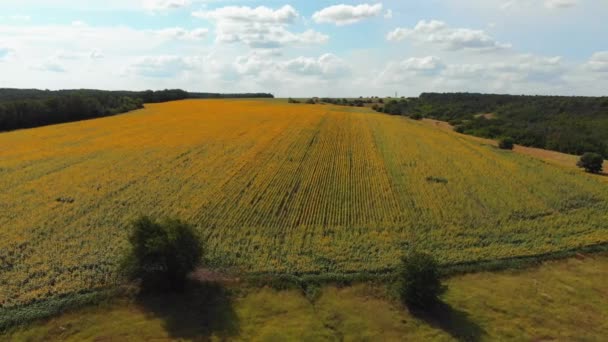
(162, 253)
(420, 283)
(506, 143)
(591, 162)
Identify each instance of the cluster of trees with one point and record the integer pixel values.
(27, 113)
(359, 102)
(27, 108)
(562, 123)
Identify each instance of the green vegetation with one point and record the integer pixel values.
(506, 143)
(566, 124)
(26, 108)
(162, 253)
(591, 162)
(420, 284)
(564, 300)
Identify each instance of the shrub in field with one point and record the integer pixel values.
(162, 254)
(591, 162)
(506, 143)
(420, 283)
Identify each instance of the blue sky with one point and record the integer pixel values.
(307, 48)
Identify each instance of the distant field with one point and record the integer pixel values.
(562, 301)
(275, 188)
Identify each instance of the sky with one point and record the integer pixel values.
(308, 48)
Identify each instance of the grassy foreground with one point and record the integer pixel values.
(560, 300)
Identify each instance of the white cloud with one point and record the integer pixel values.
(346, 14)
(96, 54)
(163, 5)
(515, 73)
(260, 27)
(438, 32)
(22, 18)
(162, 66)
(399, 72)
(263, 66)
(598, 62)
(551, 4)
(245, 14)
(50, 65)
(327, 66)
(183, 34)
(560, 3)
(522, 68)
(388, 14)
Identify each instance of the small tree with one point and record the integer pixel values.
(506, 143)
(163, 253)
(416, 116)
(420, 286)
(591, 162)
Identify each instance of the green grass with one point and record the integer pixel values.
(561, 300)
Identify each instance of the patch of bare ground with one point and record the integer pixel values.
(488, 116)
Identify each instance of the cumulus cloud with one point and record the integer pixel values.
(50, 65)
(388, 14)
(522, 68)
(163, 5)
(438, 32)
(560, 3)
(245, 14)
(183, 34)
(551, 4)
(260, 27)
(346, 14)
(398, 72)
(327, 66)
(598, 62)
(515, 73)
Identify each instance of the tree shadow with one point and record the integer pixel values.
(455, 322)
(201, 311)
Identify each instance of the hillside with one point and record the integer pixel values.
(569, 124)
(275, 188)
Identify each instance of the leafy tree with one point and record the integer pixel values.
(591, 162)
(506, 143)
(162, 253)
(420, 283)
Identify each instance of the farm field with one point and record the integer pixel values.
(275, 188)
(553, 157)
(564, 300)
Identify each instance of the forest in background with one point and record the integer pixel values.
(27, 108)
(569, 124)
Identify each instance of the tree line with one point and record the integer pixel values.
(566, 124)
(27, 108)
